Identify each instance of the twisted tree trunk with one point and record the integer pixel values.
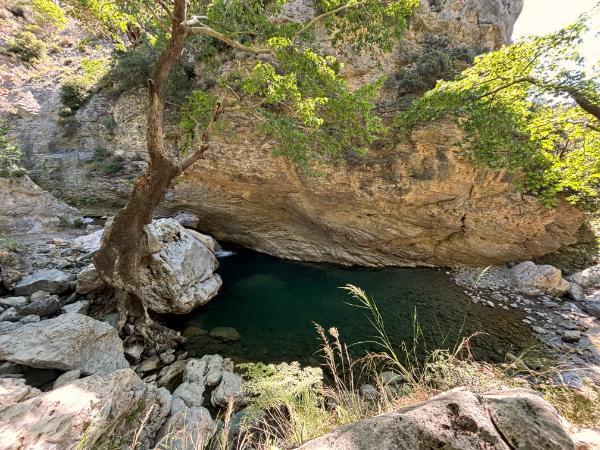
(124, 247)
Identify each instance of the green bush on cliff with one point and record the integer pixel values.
(10, 155)
(75, 90)
(48, 14)
(531, 108)
(26, 46)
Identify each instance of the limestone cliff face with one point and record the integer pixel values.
(416, 203)
(421, 204)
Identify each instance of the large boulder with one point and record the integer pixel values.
(67, 342)
(52, 281)
(187, 429)
(503, 420)
(180, 275)
(93, 412)
(27, 208)
(531, 279)
(588, 279)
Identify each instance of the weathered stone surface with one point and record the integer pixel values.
(206, 371)
(89, 280)
(514, 418)
(66, 378)
(102, 409)
(10, 315)
(587, 439)
(52, 281)
(588, 279)
(207, 240)
(79, 307)
(187, 220)
(180, 275)
(7, 327)
(531, 279)
(149, 364)
(27, 208)
(13, 301)
(135, 351)
(230, 388)
(89, 242)
(187, 395)
(187, 429)
(67, 342)
(571, 336)
(15, 390)
(169, 374)
(592, 306)
(576, 292)
(43, 307)
(29, 319)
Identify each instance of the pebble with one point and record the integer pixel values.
(571, 336)
(539, 330)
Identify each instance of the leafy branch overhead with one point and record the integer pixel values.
(533, 108)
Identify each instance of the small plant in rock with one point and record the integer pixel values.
(73, 93)
(26, 46)
(10, 155)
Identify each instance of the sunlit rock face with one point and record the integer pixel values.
(416, 202)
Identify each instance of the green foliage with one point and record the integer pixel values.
(309, 108)
(516, 107)
(75, 90)
(195, 116)
(10, 155)
(49, 14)
(367, 24)
(26, 46)
(438, 60)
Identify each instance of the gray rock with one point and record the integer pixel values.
(576, 292)
(206, 371)
(186, 219)
(230, 387)
(180, 275)
(530, 279)
(206, 240)
(457, 420)
(391, 378)
(67, 342)
(53, 281)
(100, 409)
(15, 390)
(187, 395)
(588, 279)
(29, 319)
(571, 336)
(187, 429)
(149, 364)
(226, 334)
(89, 281)
(539, 330)
(168, 374)
(38, 295)
(10, 315)
(43, 307)
(66, 378)
(110, 319)
(89, 242)
(592, 306)
(79, 307)
(368, 392)
(7, 327)
(167, 357)
(13, 302)
(135, 351)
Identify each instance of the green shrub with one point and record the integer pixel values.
(74, 92)
(10, 155)
(26, 46)
(48, 13)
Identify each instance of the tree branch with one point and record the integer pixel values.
(332, 12)
(207, 31)
(204, 140)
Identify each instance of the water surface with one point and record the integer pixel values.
(273, 304)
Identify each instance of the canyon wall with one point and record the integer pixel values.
(418, 201)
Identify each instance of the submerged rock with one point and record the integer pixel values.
(67, 342)
(52, 281)
(98, 410)
(531, 279)
(227, 334)
(458, 419)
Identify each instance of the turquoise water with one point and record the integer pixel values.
(273, 304)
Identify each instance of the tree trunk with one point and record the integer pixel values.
(124, 247)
